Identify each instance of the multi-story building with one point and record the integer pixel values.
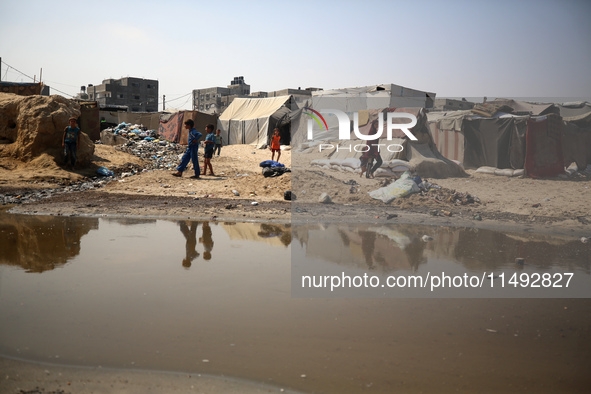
(137, 94)
(217, 99)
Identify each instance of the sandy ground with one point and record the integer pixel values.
(33, 378)
(549, 205)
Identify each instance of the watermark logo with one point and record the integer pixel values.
(345, 128)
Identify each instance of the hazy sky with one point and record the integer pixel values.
(453, 48)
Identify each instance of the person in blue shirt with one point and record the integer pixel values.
(191, 152)
(70, 142)
(209, 149)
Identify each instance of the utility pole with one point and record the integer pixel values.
(163, 102)
(0, 68)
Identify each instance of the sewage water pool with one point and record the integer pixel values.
(216, 298)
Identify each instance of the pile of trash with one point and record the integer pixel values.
(134, 132)
(451, 196)
(160, 154)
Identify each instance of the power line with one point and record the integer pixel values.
(9, 66)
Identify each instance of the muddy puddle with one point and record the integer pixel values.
(216, 298)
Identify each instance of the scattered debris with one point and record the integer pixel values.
(324, 199)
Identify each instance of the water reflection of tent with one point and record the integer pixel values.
(271, 234)
(385, 250)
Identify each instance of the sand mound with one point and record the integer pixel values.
(32, 127)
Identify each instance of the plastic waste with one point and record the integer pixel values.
(401, 188)
(104, 171)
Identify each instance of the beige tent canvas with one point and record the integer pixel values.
(252, 120)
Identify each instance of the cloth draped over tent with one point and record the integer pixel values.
(172, 125)
(543, 157)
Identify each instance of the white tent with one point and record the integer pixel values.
(251, 120)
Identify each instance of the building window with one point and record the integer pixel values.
(135, 84)
(120, 96)
(136, 97)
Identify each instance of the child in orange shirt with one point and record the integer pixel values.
(275, 147)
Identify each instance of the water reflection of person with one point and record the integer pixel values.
(368, 240)
(191, 237)
(207, 241)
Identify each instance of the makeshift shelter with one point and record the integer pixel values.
(354, 100)
(576, 135)
(172, 125)
(543, 157)
(478, 141)
(421, 154)
(526, 108)
(251, 121)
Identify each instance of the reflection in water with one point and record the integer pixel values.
(207, 241)
(400, 247)
(124, 302)
(38, 243)
(191, 237)
(271, 234)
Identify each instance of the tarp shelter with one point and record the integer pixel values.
(543, 156)
(252, 120)
(172, 125)
(351, 100)
(576, 137)
(422, 154)
(477, 141)
(526, 108)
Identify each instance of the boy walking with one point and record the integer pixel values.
(208, 150)
(191, 152)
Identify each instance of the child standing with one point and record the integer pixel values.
(208, 150)
(70, 142)
(218, 142)
(275, 147)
